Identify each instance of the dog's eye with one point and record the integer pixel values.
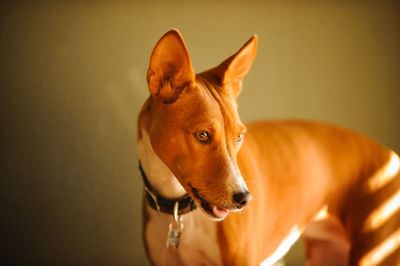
(202, 136)
(240, 138)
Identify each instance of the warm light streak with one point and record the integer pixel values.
(379, 253)
(385, 174)
(383, 212)
(322, 214)
(283, 247)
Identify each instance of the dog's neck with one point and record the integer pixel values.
(161, 179)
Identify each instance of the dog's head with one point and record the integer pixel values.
(195, 127)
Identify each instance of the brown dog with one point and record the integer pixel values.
(341, 189)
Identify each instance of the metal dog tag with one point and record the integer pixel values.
(175, 228)
(174, 234)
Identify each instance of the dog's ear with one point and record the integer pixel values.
(170, 67)
(232, 71)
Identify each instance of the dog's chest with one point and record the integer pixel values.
(198, 242)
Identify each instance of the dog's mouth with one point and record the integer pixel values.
(214, 211)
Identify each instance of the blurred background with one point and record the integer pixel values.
(73, 81)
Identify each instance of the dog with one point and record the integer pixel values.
(222, 192)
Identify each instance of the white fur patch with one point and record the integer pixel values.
(158, 174)
(198, 242)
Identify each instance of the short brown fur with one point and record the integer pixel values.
(292, 168)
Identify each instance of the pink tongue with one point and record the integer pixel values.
(219, 212)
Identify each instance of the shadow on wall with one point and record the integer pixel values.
(73, 82)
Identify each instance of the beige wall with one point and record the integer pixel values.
(73, 81)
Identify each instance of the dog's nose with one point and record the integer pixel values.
(242, 198)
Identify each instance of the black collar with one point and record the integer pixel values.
(162, 204)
